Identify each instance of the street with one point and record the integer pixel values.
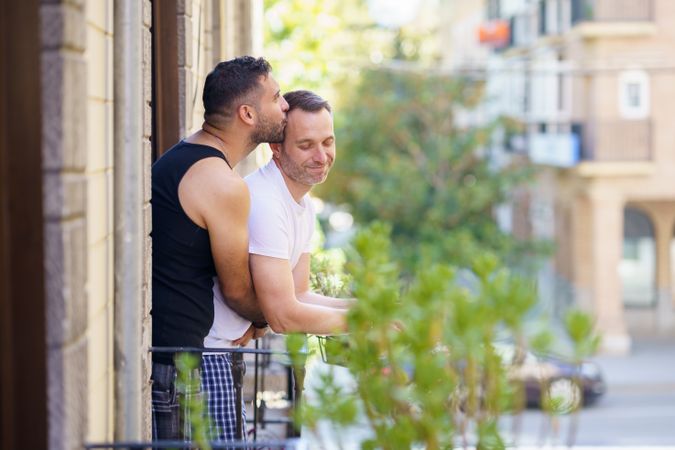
(638, 408)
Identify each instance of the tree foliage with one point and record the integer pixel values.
(313, 43)
(422, 354)
(408, 156)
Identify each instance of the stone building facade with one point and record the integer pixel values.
(107, 86)
(592, 82)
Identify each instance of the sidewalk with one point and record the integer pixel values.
(650, 365)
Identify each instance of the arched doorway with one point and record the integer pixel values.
(638, 263)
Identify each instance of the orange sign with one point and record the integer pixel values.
(495, 33)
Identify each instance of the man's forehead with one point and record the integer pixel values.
(269, 82)
(306, 124)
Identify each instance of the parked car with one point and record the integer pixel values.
(555, 374)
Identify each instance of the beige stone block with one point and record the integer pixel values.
(67, 394)
(99, 206)
(64, 194)
(65, 279)
(96, 12)
(147, 13)
(63, 25)
(99, 136)
(147, 82)
(100, 346)
(190, 42)
(110, 134)
(99, 411)
(73, 111)
(75, 194)
(147, 162)
(100, 277)
(147, 45)
(98, 67)
(147, 120)
(183, 80)
(52, 104)
(52, 194)
(109, 85)
(185, 41)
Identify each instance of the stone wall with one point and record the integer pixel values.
(64, 137)
(79, 150)
(99, 217)
(146, 294)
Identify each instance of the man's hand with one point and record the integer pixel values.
(260, 332)
(251, 333)
(245, 339)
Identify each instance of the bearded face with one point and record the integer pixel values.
(308, 150)
(269, 130)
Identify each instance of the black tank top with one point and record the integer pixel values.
(182, 262)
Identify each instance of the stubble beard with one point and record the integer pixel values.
(267, 131)
(298, 173)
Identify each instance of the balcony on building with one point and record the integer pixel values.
(600, 18)
(594, 141)
(615, 140)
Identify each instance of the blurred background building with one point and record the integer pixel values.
(91, 91)
(592, 82)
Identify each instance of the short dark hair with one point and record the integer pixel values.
(230, 81)
(306, 100)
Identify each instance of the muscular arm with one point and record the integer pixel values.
(284, 312)
(219, 199)
(301, 280)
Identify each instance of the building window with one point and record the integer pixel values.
(634, 94)
(493, 10)
(638, 264)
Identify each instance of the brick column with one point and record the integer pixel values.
(146, 328)
(64, 137)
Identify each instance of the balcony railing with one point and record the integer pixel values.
(260, 359)
(616, 141)
(612, 10)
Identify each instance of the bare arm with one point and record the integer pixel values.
(304, 294)
(220, 200)
(273, 279)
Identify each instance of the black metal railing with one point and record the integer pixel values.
(612, 10)
(293, 386)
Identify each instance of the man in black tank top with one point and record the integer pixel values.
(200, 211)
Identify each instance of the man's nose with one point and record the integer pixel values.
(320, 156)
(284, 104)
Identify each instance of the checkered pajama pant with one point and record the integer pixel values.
(218, 386)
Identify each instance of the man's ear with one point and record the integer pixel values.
(247, 114)
(276, 149)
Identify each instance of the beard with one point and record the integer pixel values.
(268, 131)
(299, 173)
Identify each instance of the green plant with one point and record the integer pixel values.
(421, 352)
(406, 157)
(191, 399)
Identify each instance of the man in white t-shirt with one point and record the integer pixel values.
(281, 224)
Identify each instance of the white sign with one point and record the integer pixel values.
(560, 150)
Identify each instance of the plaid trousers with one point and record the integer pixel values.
(169, 417)
(218, 386)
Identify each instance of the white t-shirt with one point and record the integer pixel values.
(278, 227)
